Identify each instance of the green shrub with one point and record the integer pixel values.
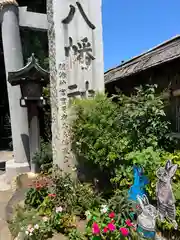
(22, 218)
(47, 206)
(43, 158)
(74, 196)
(104, 223)
(47, 114)
(109, 137)
(76, 235)
(35, 196)
(119, 203)
(97, 136)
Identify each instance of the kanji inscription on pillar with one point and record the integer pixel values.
(76, 59)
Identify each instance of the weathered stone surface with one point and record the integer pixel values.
(22, 183)
(76, 64)
(4, 231)
(4, 198)
(59, 237)
(32, 20)
(13, 60)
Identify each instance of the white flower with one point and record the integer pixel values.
(27, 232)
(30, 234)
(104, 209)
(31, 230)
(29, 227)
(88, 214)
(59, 209)
(45, 219)
(36, 226)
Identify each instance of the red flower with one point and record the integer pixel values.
(95, 228)
(111, 227)
(51, 195)
(105, 230)
(112, 221)
(129, 223)
(38, 186)
(112, 215)
(124, 231)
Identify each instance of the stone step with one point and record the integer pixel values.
(4, 231)
(4, 185)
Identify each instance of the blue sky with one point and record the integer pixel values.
(131, 27)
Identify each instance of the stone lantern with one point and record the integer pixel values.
(31, 79)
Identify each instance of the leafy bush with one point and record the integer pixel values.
(47, 114)
(33, 226)
(22, 218)
(43, 158)
(143, 119)
(74, 196)
(36, 194)
(119, 203)
(104, 223)
(110, 137)
(47, 206)
(97, 136)
(76, 235)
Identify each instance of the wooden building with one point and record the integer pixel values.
(160, 65)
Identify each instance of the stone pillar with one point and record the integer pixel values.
(76, 65)
(13, 59)
(34, 135)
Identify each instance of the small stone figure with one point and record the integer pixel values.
(146, 221)
(165, 196)
(138, 187)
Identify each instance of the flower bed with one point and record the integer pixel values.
(58, 204)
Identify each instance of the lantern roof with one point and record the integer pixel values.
(31, 72)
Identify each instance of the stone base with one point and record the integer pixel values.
(13, 169)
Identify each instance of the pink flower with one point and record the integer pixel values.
(112, 215)
(38, 186)
(95, 228)
(105, 230)
(51, 195)
(124, 231)
(111, 227)
(129, 223)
